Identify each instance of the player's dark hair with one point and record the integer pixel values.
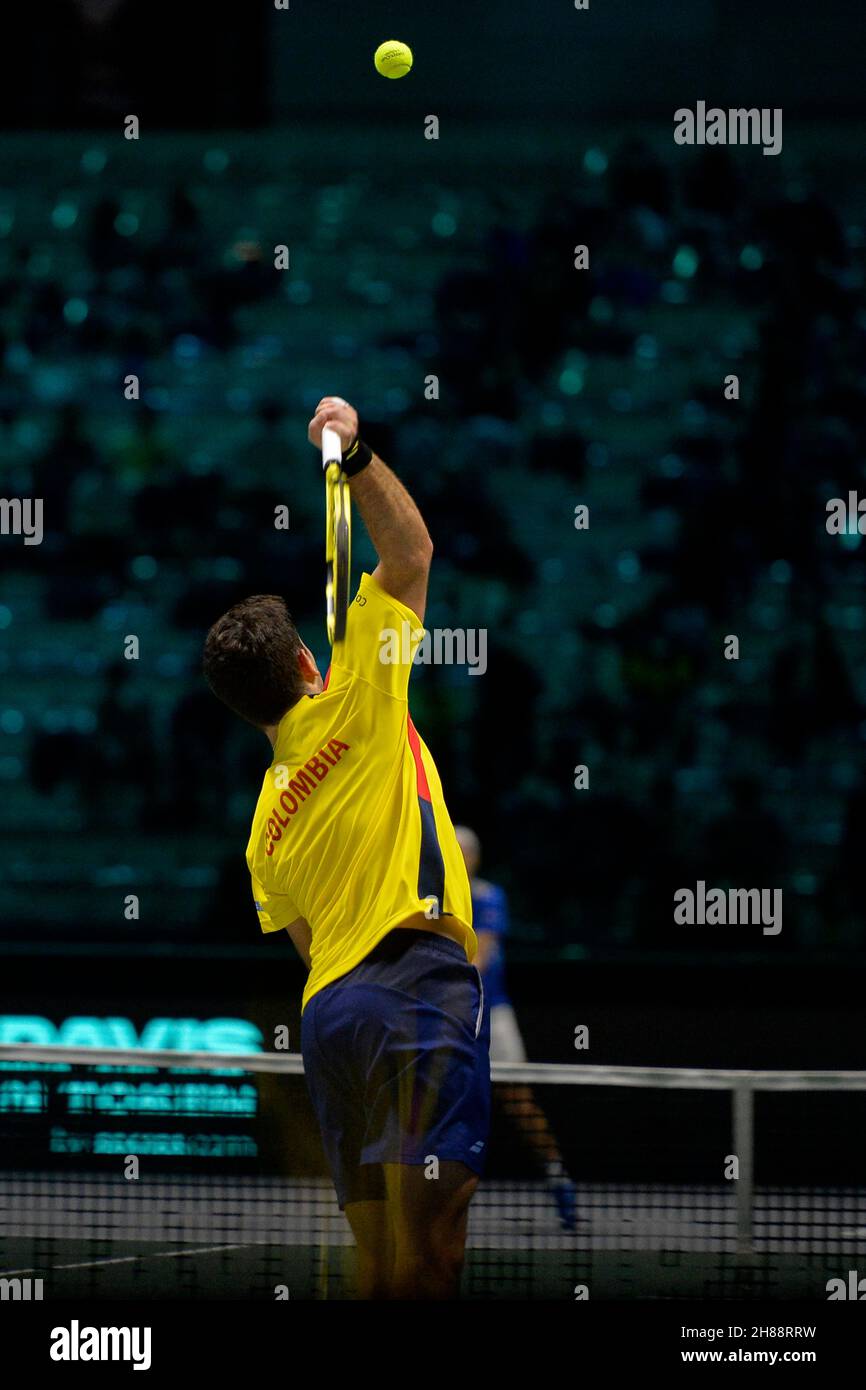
(251, 659)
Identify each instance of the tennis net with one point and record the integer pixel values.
(157, 1174)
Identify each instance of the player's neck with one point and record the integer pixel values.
(272, 730)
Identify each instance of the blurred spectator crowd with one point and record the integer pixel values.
(159, 373)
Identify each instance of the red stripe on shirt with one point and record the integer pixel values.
(327, 678)
(420, 772)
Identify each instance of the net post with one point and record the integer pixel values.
(743, 1118)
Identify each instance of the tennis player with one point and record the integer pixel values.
(352, 852)
(490, 913)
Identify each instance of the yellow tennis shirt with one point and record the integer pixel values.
(351, 831)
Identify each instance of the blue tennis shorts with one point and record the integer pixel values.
(396, 1055)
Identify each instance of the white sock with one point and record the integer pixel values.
(555, 1171)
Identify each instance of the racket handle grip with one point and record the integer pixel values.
(331, 449)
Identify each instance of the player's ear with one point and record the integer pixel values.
(307, 664)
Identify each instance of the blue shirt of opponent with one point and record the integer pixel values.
(490, 913)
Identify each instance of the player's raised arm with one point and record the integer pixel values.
(396, 527)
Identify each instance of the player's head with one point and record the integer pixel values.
(471, 847)
(255, 661)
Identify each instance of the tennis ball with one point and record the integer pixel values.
(393, 59)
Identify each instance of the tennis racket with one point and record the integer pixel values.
(338, 536)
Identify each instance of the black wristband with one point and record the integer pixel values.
(356, 458)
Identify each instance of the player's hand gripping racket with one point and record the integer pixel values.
(338, 536)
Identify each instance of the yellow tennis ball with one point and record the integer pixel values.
(393, 59)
